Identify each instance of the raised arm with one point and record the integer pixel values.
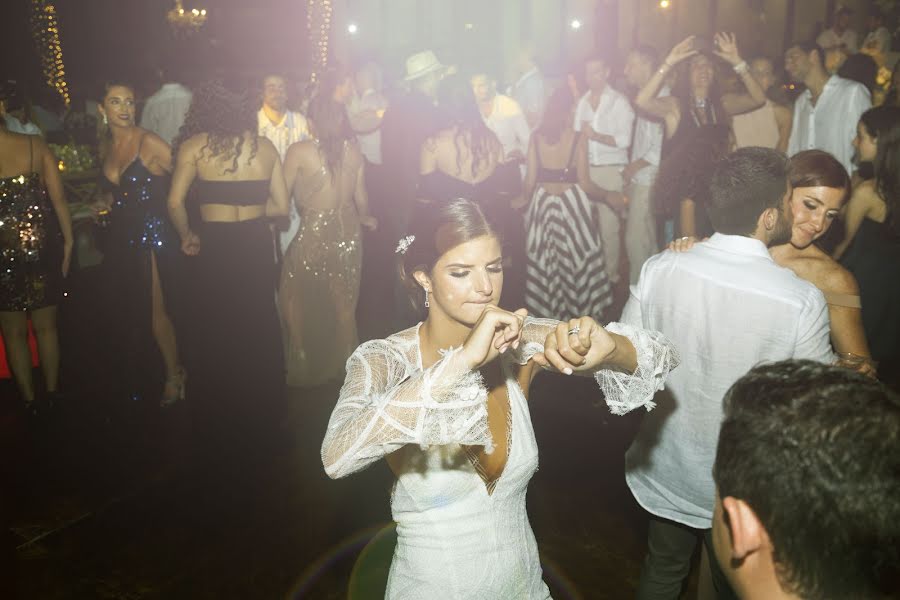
(755, 96)
(387, 402)
(647, 100)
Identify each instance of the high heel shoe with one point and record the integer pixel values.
(174, 389)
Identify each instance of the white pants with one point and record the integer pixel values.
(640, 229)
(609, 178)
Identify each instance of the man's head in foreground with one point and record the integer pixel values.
(808, 480)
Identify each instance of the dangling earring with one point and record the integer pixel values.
(105, 120)
(427, 303)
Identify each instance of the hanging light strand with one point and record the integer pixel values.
(45, 33)
(318, 21)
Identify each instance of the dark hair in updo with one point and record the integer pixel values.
(225, 112)
(439, 227)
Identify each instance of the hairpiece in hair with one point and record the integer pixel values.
(404, 244)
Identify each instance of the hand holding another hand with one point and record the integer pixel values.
(577, 345)
(495, 332)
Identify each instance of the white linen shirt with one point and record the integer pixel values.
(529, 92)
(830, 125)
(508, 123)
(726, 306)
(293, 128)
(165, 110)
(648, 141)
(829, 39)
(614, 117)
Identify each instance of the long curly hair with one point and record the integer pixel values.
(681, 88)
(458, 108)
(225, 113)
(687, 171)
(332, 129)
(883, 123)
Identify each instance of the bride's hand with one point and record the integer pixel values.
(576, 345)
(495, 331)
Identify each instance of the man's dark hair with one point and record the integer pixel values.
(744, 184)
(648, 53)
(814, 450)
(811, 46)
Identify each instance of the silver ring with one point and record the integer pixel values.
(684, 238)
(574, 330)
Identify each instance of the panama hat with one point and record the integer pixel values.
(421, 64)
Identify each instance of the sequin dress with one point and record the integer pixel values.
(31, 245)
(138, 231)
(319, 285)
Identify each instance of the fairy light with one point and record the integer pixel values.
(318, 21)
(45, 32)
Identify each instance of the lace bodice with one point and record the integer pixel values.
(459, 537)
(388, 400)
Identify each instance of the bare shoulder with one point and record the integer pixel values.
(194, 144)
(824, 272)
(838, 280)
(864, 193)
(153, 141)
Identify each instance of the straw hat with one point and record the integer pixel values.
(421, 64)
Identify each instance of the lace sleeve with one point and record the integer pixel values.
(624, 392)
(656, 357)
(387, 402)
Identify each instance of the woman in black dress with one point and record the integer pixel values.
(236, 358)
(141, 261)
(35, 250)
(871, 246)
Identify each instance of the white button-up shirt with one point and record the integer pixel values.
(726, 306)
(614, 117)
(369, 143)
(830, 125)
(508, 123)
(529, 92)
(165, 110)
(648, 141)
(293, 128)
(829, 39)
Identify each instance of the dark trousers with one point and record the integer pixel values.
(670, 546)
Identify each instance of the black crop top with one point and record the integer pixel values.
(569, 174)
(438, 186)
(249, 192)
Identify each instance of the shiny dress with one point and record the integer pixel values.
(458, 537)
(320, 278)
(236, 363)
(31, 245)
(138, 234)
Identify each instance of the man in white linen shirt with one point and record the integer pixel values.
(503, 116)
(607, 118)
(726, 306)
(826, 114)
(640, 173)
(839, 35)
(282, 127)
(165, 110)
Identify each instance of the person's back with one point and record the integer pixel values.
(18, 152)
(315, 185)
(727, 307)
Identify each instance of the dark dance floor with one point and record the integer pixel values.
(108, 500)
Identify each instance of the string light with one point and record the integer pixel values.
(318, 21)
(45, 32)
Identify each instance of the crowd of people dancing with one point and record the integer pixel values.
(476, 239)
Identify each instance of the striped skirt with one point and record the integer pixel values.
(565, 269)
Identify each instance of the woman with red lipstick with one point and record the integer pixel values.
(141, 251)
(445, 404)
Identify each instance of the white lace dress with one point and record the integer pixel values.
(455, 540)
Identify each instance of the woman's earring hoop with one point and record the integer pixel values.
(427, 303)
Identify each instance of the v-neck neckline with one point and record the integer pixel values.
(488, 486)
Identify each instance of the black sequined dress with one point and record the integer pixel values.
(31, 245)
(138, 233)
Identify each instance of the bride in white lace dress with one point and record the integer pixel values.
(445, 403)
